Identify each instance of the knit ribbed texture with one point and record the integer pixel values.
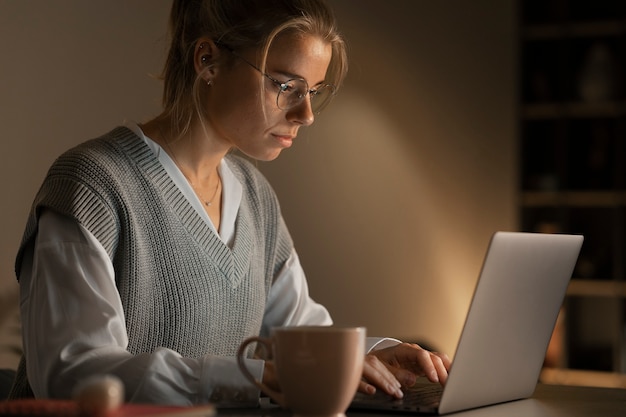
(180, 286)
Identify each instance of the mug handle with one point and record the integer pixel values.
(267, 343)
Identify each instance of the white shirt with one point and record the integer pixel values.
(67, 275)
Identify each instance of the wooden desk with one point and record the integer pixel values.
(557, 401)
(548, 401)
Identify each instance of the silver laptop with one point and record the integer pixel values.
(507, 329)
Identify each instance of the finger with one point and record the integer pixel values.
(434, 366)
(377, 374)
(406, 377)
(424, 363)
(367, 388)
(445, 359)
(393, 360)
(421, 362)
(440, 368)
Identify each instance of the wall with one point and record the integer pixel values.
(71, 70)
(391, 197)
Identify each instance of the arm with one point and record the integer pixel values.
(71, 310)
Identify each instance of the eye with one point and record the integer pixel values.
(321, 90)
(290, 86)
(285, 87)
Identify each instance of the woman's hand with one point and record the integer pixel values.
(399, 366)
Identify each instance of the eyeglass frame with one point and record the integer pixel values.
(283, 86)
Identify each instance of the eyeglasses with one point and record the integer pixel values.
(293, 92)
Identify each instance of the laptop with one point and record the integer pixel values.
(510, 321)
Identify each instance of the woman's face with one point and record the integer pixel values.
(235, 102)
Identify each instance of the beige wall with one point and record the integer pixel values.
(391, 197)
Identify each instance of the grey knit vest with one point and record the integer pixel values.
(180, 286)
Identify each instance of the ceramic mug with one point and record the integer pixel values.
(318, 367)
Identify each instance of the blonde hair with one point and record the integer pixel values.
(240, 24)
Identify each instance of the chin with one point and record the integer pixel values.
(272, 156)
(263, 156)
(269, 158)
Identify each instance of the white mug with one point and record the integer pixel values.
(318, 367)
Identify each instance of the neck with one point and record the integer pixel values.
(195, 154)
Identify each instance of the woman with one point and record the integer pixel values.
(152, 252)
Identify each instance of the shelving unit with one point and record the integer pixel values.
(573, 170)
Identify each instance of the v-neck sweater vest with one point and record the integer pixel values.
(181, 287)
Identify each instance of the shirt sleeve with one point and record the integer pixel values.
(289, 302)
(71, 310)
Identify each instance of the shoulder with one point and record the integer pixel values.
(97, 169)
(111, 145)
(107, 155)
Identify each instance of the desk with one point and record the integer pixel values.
(548, 401)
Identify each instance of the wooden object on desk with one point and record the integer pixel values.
(68, 408)
(576, 377)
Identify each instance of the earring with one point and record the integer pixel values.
(208, 82)
(205, 59)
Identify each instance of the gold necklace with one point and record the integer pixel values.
(206, 202)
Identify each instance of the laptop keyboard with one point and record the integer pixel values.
(416, 398)
(424, 394)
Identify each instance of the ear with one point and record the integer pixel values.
(205, 60)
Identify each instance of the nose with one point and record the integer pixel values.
(302, 114)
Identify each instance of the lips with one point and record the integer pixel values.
(284, 140)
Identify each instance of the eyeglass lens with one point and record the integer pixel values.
(291, 93)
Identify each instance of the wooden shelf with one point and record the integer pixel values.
(574, 110)
(590, 29)
(582, 378)
(573, 198)
(573, 180)
(596, 288)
